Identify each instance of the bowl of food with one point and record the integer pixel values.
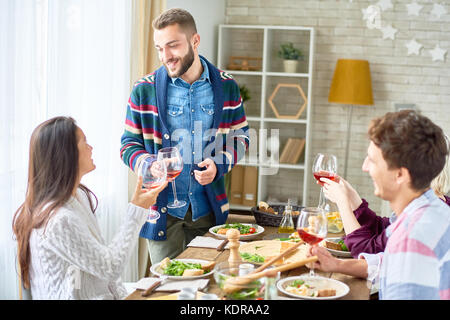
(247, 231)
(253, 290)
(313, 288)
(183, 269)
(271, 215)
(336, 247)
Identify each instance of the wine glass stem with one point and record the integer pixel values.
(174, 189)
(321, 199)
(311, 272)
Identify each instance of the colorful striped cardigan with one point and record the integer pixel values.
(146, 132)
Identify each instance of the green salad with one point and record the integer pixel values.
(243, 229)
(254, 290)
(343, 246)
(252, 257)
(176, 268)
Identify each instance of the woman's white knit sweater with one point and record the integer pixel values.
(70, 259)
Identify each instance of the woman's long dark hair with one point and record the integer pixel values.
(52, 178)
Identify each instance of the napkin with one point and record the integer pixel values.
(171, 285)
(205, 242)
(208, 242)
(174, 296)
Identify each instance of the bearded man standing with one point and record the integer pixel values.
(190, 102)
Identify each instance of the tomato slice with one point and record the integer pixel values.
(252, 230)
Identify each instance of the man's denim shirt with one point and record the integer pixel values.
(190, 111)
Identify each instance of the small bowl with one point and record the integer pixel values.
(255, 290)
(250, 291)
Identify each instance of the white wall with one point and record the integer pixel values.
(208, 14)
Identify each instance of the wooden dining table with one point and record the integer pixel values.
(359, 288)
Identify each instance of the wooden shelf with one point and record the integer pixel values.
(262, 41)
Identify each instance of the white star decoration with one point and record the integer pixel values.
(413, 47)
(389, 32)
(438, 10)
(384, 4)
(438, 54)
(372, 16)
(414, 9)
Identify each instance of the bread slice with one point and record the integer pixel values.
(333, 245)
(192, 272)
(208, 266)
(326, 293)
(285, 245)
(222, 231)
(164, 263)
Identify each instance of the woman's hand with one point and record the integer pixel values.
(341, 193)
(145, 198)
(335, 191)
(353, 196)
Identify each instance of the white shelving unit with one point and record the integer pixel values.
(291, 180)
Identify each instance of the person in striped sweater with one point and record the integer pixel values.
(190, 104)
(406, 152)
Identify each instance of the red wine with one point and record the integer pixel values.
(309, 238)
(152, 186)
(324, 174)
(171, 175)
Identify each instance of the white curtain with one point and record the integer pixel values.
(63, 57)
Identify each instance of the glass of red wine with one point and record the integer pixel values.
(174, 163)
(324, 166)
(153, 173)
(312, 227)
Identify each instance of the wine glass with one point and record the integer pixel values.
(324, 166)
(154, 174)
(174, 163)
(312, 227)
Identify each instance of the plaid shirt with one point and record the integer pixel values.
(416, 261)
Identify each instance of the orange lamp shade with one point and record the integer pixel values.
(351, 83)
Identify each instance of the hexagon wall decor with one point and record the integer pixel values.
(300, 110)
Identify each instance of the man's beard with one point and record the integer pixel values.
(186, 62)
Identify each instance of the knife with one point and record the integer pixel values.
(222, 246)
(155, 285)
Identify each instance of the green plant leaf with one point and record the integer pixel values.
(289, 52)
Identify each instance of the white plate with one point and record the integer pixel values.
(259, 230)
(337, 253)
(156, 271)
(323, 283)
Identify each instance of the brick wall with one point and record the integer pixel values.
(341, 32)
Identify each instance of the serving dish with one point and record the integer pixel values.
(259, 230)
(156, 270)
(337, 253)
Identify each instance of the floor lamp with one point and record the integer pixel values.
(351, 85)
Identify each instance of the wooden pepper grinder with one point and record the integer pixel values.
(233, 238)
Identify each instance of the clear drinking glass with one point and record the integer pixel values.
(154, 174)
(312, 227)
(174, 163)
(324, 166)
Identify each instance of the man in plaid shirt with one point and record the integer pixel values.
(406, 152)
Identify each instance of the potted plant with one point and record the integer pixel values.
(291, 55)
(245, 93)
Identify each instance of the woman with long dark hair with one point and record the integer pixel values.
(61, 252)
